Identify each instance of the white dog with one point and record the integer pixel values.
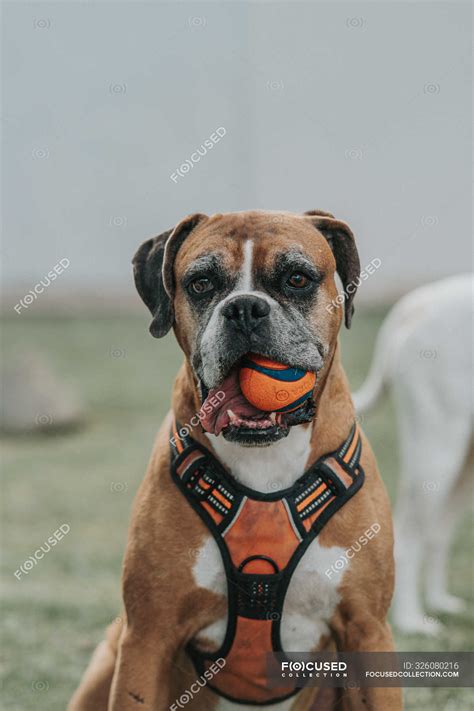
(424, 353)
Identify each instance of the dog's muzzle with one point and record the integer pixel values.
(244, 314)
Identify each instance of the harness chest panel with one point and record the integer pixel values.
(261, 538)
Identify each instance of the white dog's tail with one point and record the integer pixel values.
(387, 346)
(373, 387)
(397, 326)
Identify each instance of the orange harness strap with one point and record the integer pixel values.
(262, 537)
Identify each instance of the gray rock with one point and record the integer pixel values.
(34, 399)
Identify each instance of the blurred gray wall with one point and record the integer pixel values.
(362, 109)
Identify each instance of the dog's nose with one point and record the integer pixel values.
(246, 312)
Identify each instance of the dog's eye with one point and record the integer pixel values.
(297, 280)
(201, 286)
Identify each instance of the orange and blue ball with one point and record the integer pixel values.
(273, 386)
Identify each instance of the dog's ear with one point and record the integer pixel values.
(153, 272)
(341, 240)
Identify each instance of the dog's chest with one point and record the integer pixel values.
(310, 601)
(312, 595)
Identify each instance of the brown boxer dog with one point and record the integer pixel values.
(230, 284)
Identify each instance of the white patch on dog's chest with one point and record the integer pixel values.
(310, 601)
(266, 469)
(208, 569)
(209, 573)
(311, 598)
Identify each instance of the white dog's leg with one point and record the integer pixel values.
(441, 539)
(413, 509)
(408, 613)
(432, 454)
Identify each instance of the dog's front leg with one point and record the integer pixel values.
(150, 639)
(142, 672)
(368, 634)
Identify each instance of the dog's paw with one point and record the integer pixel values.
(447, 603)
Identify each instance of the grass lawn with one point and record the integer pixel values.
(54, 616)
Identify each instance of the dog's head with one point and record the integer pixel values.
(260, 282)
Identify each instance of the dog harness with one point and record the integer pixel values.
(261, 537)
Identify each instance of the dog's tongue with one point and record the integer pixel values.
(233, 407)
